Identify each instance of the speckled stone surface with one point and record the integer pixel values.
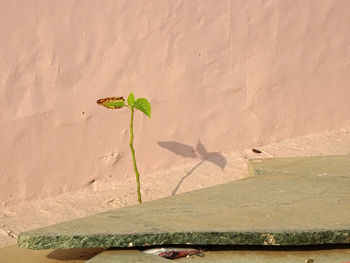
(337, 165)
(271, 209)
(238, 255)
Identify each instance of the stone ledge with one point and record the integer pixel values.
(238, 255)
(277, 238)
(334, 165)
(272, 209)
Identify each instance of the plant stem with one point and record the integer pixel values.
(133, 155)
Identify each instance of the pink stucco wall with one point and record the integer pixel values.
(232, 74)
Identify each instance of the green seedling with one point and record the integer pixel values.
(141, 104)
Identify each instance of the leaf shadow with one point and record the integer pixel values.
(188, 151)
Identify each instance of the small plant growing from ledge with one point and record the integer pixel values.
(141, 104)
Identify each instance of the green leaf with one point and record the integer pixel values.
(112, 102)
(131, 99)
(143, 105)
(115, 104)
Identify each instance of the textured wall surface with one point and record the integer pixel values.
(232, 74)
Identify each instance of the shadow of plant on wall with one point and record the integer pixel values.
(188, 151)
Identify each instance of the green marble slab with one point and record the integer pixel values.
(238, 255)
(337, 165)
(272, 209)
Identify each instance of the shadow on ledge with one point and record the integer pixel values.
(73, 254)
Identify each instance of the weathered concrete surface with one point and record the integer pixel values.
(337, 165)
(272, 209)
(15, 254)
(237, 256)
(111, 256)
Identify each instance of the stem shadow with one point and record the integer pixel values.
(188, 151)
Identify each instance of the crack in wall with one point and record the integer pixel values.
(8, 232)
